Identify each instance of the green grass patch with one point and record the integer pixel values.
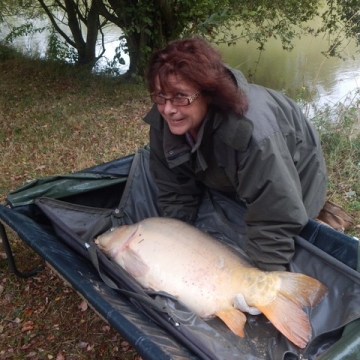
(339, 128)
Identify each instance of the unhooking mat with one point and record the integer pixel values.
(77, 223)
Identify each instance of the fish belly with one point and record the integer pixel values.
(171, 256)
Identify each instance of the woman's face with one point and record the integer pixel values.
(181, 119)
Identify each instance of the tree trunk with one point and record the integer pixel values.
(86, 49)
(92, 34)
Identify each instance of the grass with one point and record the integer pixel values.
(56, 120)
(339, 127)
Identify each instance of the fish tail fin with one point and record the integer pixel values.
(234, 319)
(286, 310)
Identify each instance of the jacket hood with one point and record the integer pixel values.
(239, 78)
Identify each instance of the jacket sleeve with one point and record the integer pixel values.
(269, 184)
(178, 192)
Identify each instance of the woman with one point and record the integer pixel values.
(210, 128)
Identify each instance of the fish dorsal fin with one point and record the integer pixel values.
(133, 263)
(234, 319)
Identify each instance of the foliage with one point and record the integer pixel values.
(261, 20)
(8, 53)
(113, 67)
(26, 29)
(341, 22)
(149, 24)
(339, 127)
(60, 50)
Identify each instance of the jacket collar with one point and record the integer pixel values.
(235, 132)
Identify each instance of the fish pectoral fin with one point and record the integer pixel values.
(241, 304)
(234, 319)
(133, 263)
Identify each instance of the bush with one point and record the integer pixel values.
(339, 128)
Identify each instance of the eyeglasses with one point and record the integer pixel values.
(177, 101)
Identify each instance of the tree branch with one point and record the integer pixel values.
(55, 25)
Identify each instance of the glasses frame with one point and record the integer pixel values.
(189, 99)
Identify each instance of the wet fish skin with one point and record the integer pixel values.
(169, 255)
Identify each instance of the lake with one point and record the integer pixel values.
(301, 73)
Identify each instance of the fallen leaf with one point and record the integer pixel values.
(125, 346)
(60, 356)
(28, 325)
(40, 167)
(83, 306)
(102, 349)
(27, 328)
(31, 354)
(28, 312)
(106, 328)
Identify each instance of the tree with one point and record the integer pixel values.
(81, 17)
(341, 21)
(149, 24)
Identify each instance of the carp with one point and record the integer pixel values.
(210, 278)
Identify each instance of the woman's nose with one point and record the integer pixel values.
(168, 107)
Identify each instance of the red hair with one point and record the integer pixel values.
(197, 62)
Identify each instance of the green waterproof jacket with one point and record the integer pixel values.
(271, 159)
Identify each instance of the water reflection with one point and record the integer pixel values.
(303, 72)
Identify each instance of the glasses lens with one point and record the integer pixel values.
(158, 99)
(178, 101)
